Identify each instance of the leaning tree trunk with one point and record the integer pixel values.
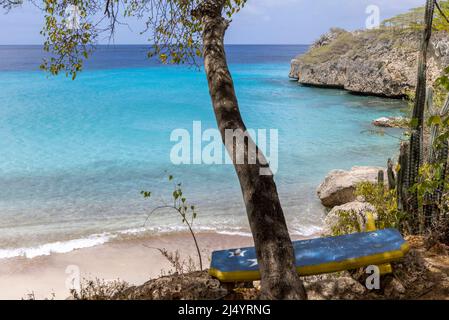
(274, 249)
(415, 156)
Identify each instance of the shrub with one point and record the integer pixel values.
(348, 222)
(384, 204)
(100, 290)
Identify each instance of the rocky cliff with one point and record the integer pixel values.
(376, 62)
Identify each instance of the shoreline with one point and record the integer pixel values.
(355, 93)
(131, 260)
(135, 233)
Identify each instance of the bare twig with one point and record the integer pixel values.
(186, 222)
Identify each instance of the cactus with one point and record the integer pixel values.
(380, 178)
(390, 175)
(437, 155)
(403, 183)
(415, 154)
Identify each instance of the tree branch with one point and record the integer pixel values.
(209, 8)
(441, 11)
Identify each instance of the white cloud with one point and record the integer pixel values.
(262, 8)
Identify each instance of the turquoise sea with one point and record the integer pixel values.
(74, 155)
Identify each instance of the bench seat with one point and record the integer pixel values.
(316, 256)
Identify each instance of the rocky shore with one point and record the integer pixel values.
(422, 274)
(379, 62)
(391, 122)
(339, 185)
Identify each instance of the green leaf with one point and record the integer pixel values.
(434, 120)
(146, 194)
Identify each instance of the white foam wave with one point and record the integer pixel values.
(99, 239)
(307, 231)
(235, 233)
(56, 247)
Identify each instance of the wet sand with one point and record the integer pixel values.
(130, 260)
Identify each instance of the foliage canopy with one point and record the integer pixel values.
(72, 28)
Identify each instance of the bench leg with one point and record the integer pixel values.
(371, 226)
(385, 269)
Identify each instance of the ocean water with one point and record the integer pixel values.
(74, 155)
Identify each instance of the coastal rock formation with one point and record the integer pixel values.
(192, 286)
(391, 122)
(339, 185)
(359, 208)
(332, 287)
(380, 62)
(422, 274)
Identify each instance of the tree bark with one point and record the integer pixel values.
(274, 249)
(415, 156)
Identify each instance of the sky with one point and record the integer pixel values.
(260, 22)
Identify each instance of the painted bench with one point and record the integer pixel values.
(317, 256)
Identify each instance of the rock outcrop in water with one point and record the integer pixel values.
(391, 122)
(380, 62)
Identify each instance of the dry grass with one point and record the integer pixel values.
(99, 289)
(178, 265)
(353, 44)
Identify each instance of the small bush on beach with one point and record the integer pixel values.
(181, 206)
(100, 290)
(179, 266)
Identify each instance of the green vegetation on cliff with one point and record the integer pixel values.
(414, 19)
(380, 61)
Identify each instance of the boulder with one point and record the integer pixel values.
(191, 286)
(333, 287)
(359, 208)
(339, 185)
(394, 289)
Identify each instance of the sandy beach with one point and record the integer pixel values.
(134, 260)
(130, 260)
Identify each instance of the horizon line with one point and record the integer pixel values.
(146, 44)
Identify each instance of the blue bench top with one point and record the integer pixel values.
(353, 249)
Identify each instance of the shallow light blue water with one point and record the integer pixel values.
(74, 155)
